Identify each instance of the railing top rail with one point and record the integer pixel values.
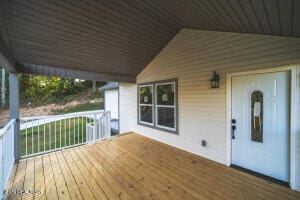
(65, 115)
(6, 127)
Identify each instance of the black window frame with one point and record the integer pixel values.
(154, 107)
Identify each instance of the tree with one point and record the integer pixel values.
(43, 90)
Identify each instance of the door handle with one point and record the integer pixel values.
(233, 128)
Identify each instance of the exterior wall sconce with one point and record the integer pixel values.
(215, 80)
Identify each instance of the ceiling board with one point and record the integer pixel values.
(122, 37)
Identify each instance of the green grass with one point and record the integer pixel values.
(73, 131)
(85, 107)
(69, 135)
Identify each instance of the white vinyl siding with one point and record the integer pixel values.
(298, 130)
(112, 102)
(191, 57)
(128, 107)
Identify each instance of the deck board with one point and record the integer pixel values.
(62, 190)
(39, 178)
(82, 184)
(29, 178)
(73, 188)
(50, 190)
(135, 167)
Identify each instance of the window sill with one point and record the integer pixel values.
(160, 129)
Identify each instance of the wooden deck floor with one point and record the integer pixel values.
(135, 167)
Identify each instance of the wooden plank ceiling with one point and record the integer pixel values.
(118, 38)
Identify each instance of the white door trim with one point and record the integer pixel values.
(293, 70)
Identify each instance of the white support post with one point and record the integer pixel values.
(14, 105)
(3, 99)
(94, 86)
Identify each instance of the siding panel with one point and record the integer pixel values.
(111, 102)
(298, 131)
(128, 107)
(191, 57)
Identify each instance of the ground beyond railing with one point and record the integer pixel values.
(44, 134)
(7, 157)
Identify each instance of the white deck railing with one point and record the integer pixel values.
(7, 157)
(44, 134)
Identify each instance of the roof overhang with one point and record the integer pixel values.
(6, 57)
(72, 73)
(115, 40)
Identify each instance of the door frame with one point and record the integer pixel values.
(293, 84)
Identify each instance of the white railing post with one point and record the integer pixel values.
(95, 128)
(108, 121)
(1, 170)
(7, 156)
(14, 109)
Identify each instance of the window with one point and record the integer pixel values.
(165, 105)
(146, 104)
(257, 116)
(158, 105)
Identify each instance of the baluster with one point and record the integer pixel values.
(108, 125)
(60, 133)
(86, 131)
(55, 132)
(32, 141)
(26, 150)
(103, 126)
(94, 130)
(44, 135)
(69, 133)
(38, 134)
(49, 129)
(65, 133)
(81, 129)
(74, 131)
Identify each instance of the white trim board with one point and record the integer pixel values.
(293, 112)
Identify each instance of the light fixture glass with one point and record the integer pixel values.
(215, 80)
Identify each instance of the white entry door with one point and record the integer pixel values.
(260, 115)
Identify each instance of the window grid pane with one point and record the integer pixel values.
(165, 94)
(146, 95)
(146, 114)
(165, 117)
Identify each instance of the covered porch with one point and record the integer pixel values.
(163, 55)
(135, 167)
